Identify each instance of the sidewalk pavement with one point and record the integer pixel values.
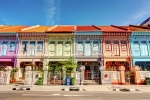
(105, 88)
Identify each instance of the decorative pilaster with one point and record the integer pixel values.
(91, 44)
(82, 68)
(112, 48)
(45, 69)
(35, 50)
(140, 47)
(8, 70)
(64, 76)
(28, 75)
(122, 74)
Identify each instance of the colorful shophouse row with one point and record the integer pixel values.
(91, 46)
(9, 45)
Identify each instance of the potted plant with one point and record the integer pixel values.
(128, 74)
(2, 68)
(13, 72)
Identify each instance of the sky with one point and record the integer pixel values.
(73, 12)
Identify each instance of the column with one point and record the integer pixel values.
(45, 75)
(35, 50)
(84, 47)
(120, 47)
(20, 71)
(131, 47)
(128, 47)
(63, 49)
(91, 47)
(16, 65)
(112, 47)
(45, 48)
(140, 47)
(148, 48)
(82, 68)
(102, 69)
(28, 48)
(56, 48)
(137, 74)
(76, 48)
(19, 47)
(100, 47)
(8, 48)
(72, 47)
(122, 74)
(64, 76)
(8, 70)
(28, 76)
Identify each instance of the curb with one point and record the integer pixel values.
(125, 89)
(21, 89)
(73, 89)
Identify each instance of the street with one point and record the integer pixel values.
(73, 95)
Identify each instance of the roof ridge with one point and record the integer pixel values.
(49, 29)
(140, 26)
(24, 29)
(96, 27)
(120, 27)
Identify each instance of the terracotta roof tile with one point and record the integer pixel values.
(37, 29)
(136, 28)
(13, 29)
(2, 27)
(61, 29)
(87, 28)
(111, 29)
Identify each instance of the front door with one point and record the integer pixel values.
(87, 73)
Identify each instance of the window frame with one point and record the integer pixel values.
(40, 48)
(97, 45)
(10, 46)
(25, 48)
(122, 45)
(108, 43)
(79, 50)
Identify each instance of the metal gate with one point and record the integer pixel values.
(92, 78)
(55, 78)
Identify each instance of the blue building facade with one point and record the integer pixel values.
(140, 49)
(88, 51)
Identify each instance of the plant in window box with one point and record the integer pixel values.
(13, 74)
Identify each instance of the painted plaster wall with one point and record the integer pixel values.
(7, 49)
(140, 51)
(29, 49)
(7, 52)
(120, 52)
(87, 44)
(60, 46)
